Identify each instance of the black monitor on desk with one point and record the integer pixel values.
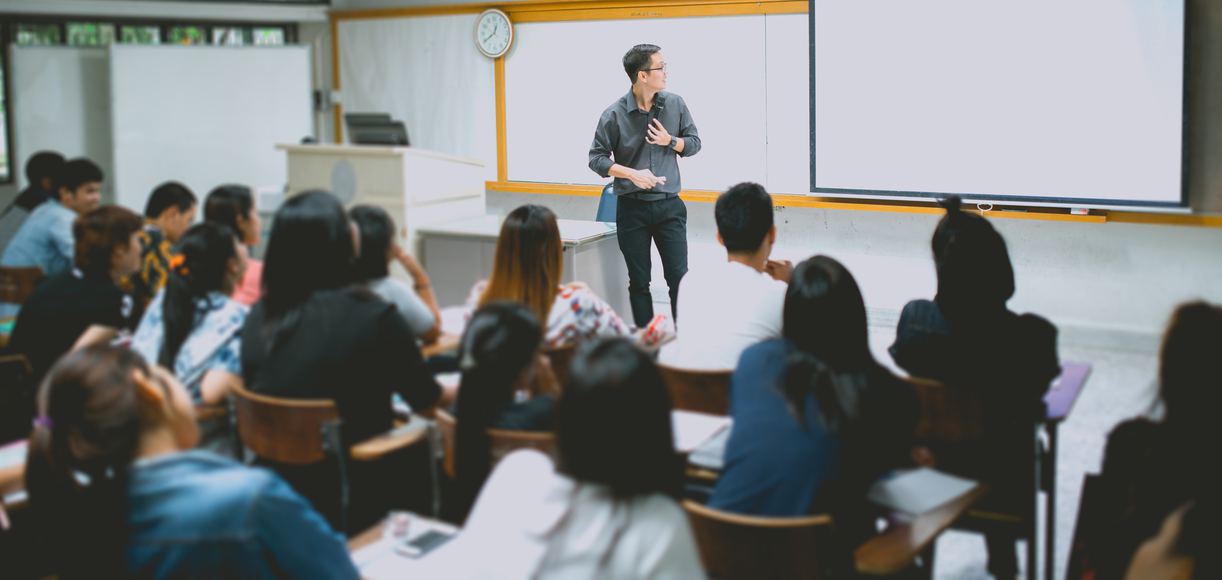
(375, 129)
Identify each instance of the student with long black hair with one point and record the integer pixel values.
(146, 506)
(966, 337)
(501, 363)
(315, 336)
(193, 326)
(816, 418)
(609, 508)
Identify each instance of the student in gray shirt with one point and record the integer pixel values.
(417, 304)
(638, 141)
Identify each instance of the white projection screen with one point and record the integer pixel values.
(1074, 102)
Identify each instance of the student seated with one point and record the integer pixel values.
(116, 492)
(45, 239)
(1184, 548)
(527, 268)
(233, 206)
(378, 247)
(40, 172)
(314, 336)
(608, 509)
(1150, 468)
(193, 327)
(967, 338)
(506, 384)
(722, 310)
(84, 305)
(816, 419)
(170, 210)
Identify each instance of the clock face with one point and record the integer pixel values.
(493, 33)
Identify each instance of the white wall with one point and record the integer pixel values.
(426, 72)
(61, 102)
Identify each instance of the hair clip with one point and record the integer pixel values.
(43, 421)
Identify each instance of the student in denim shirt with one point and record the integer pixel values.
(150, 509)
(45, 239)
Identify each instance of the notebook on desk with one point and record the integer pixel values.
(918, 491)
(693, 429)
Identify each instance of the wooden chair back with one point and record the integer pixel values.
(501, 442)
(735, 546)
(560, 357)
(700, 391)
(16, 397)
(950, 415)
(289, 431)
(17, 284)
(447, 425)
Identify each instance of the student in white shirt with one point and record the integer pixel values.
(729, 307)
(609, 509)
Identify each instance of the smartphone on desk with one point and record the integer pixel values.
(420, 545)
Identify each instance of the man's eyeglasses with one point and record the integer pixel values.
(661, 68)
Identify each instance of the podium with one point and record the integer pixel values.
(415, 186)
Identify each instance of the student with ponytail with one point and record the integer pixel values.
(816, 419)
(968, 338)
(500, 360)
(233, 206)
(193, 326)
(117, 495)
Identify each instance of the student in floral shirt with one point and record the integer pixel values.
(529, 261)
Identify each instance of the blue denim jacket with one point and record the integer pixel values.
(198, 515)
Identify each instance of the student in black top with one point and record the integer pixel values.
(499, 359)
(313, 335)
(1151, 469)
(84, 305)
(967, 337)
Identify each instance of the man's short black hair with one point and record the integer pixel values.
(77, 172)
(637, 59)
(167, 195)
(43, 165)
(744, 217)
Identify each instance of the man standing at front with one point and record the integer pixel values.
(638, 141)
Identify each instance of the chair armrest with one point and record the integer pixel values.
(894, 550)
(446, 343)
(398, 438)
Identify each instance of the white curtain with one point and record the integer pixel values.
(426, 72)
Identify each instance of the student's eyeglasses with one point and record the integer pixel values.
(661, 68)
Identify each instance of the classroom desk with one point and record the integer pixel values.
(373, 552)
(1059, 401)
(888, 553)
(460, 253)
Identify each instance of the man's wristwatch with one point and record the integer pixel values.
(674, 144)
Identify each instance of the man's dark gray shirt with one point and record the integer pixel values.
(620, 138)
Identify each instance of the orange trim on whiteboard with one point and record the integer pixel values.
(794, 200)
(336, 109)
(502, 139)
